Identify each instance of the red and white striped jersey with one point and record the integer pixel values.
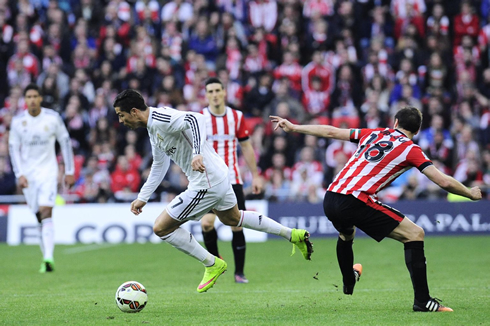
(223, 133)
(382, 155)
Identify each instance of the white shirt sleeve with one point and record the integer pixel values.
(14, 150)
(64, 140)
(196, 122)
(159, 168)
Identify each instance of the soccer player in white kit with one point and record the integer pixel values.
(181, 136)
(32, 151)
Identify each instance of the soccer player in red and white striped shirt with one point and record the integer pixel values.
(350, 201)
(226, 128)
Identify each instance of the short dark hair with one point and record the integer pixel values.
(34, 87)
(409, 118)
(213, 80)
(128, 99)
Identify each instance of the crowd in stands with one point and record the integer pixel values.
(350, 63)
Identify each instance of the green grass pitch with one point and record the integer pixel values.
(283, 290)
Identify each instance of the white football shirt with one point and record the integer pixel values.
(32, 145)
(179, 136)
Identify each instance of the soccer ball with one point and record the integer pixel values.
(131, 297)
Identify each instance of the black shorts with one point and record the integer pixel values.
(240, 197)
(346, 211)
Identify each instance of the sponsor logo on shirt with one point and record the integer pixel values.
(171, 151)
(37, 141)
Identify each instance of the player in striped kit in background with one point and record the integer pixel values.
(351, 201)
(226, 128)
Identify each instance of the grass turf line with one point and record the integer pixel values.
(283, 290)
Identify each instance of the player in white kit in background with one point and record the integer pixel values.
(225, 129)
(32, 150)
(181, 136)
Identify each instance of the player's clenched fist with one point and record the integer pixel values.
(475, 193)
(137, 206)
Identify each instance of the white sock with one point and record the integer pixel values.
(259, 222)
(47, 237)
(185, 241)
(41, 245)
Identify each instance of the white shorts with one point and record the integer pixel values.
(192, 204)
(40, 193)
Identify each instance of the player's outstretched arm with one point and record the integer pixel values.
(326, 131)
(450, 184)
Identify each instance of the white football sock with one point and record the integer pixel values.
(185, 241)
(48, 237)
(41, 245)
(259, 222)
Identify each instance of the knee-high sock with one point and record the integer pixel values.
(416, 264)
(345, 257)
(185, 242)
(211, 241)
(259, 222)
(41, 245)
(47, 231)
(239, 247)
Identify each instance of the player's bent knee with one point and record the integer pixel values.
(416, 233)
(207, 222)
(161, 231)
(230, 217)
(419, 234)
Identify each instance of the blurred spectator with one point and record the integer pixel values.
(277, 188)
(316, 68)
(468, 171)
(441, 149)
(259, 97)
(177, 10)
(466, 143)
(347, 95)
(284, 104)
(438, 22)
(62, 80)
(465, 23)
(373, 115)
(18, 75)
(102, 133)
(427, 135)
(76, 90)
(51, 96)
(408, 12)
(316, 100)
(134, 159)
(307, 177)
(203, 42)
(291, 70)
(124, 178)
(77, 125)
(172, 38)
(22, 54)
(263, 14)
